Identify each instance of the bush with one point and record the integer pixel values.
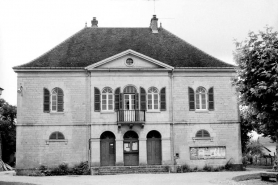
(186, 168)
(208, 168)
(81, 169)
(228, 165)
(63, 169)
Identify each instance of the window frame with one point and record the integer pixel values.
(57, 138)
(57, 100)
(199, 98)
(202, 135)
(152, 100)
(106, 94)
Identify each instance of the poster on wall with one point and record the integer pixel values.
(211, 152)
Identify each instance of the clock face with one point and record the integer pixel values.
(129, 62)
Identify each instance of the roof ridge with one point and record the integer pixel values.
(196, 47)
(51, 49)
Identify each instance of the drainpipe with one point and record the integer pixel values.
(172, 120)
(89, 122)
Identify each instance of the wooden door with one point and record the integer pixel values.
(154, 156)
(131, 152)
(107, 152)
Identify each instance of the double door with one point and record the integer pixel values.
(131, 152)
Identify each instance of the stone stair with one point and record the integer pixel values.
(113, 170)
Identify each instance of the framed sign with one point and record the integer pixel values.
(210, 152)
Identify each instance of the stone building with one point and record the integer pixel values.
(126, 97)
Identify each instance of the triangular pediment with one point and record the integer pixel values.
(131, 60)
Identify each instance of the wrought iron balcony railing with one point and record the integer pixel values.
(131, 117)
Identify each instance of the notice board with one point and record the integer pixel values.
(211, 152)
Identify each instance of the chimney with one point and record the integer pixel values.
(153, 25)
(94, 23)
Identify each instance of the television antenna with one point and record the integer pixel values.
(154, 9)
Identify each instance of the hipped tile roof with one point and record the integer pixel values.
(91, 45)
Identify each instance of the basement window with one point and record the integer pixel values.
(202, 135)
(56, 137)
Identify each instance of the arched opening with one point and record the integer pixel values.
(154, 149)
(131, 149)
(107, 149)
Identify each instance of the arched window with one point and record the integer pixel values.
(56, 136)
(153, 98)
(201, 99)
(202, 133)
(57, 100)
(107, 99)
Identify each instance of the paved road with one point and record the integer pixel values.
(197, 178)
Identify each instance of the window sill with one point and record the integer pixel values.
(56, 140)
(107, 112)
(153, 111)
(202, 138)
(57, 113)
(202, 111)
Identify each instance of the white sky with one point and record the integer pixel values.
(29, 28)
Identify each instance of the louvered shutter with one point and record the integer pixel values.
(163, 99)
(191, 99)
(121, 101)
(60, 102)
(210, 99)
(142, 98)
(46, 100)
(97, 99)
(117, 99)
(136, 101)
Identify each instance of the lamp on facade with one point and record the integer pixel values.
(20, 90)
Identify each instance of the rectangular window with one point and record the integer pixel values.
(197, 102)
(104, 102)
(149, 101)
(54, 102)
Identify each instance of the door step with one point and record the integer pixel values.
(114, 170)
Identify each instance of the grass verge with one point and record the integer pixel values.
(247, 177)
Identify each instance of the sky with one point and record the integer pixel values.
(29, 28)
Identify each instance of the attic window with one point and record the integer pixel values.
(129, 62)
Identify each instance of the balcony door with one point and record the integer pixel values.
(129, 101)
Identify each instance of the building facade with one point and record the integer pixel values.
(126, 97)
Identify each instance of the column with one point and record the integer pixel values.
(119, 152)
(143, 151)
(95, 152)
(166, 151)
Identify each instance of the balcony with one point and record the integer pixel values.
(131, 118)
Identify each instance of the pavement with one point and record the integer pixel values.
(194, 178)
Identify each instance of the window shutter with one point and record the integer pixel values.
(97, 100)
(142, 98)
(136, 101)
(46, 100)
(163, 99)
(210, 99)
(117, 99)
(121, 101)
(191, 99)
(60, 100)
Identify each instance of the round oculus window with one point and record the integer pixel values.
(129, 62)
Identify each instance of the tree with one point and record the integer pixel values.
(246, 128)
(257, 80)
(7, 129)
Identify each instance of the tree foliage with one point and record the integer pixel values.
(257, 80)
(254, 148)
(7, 129)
